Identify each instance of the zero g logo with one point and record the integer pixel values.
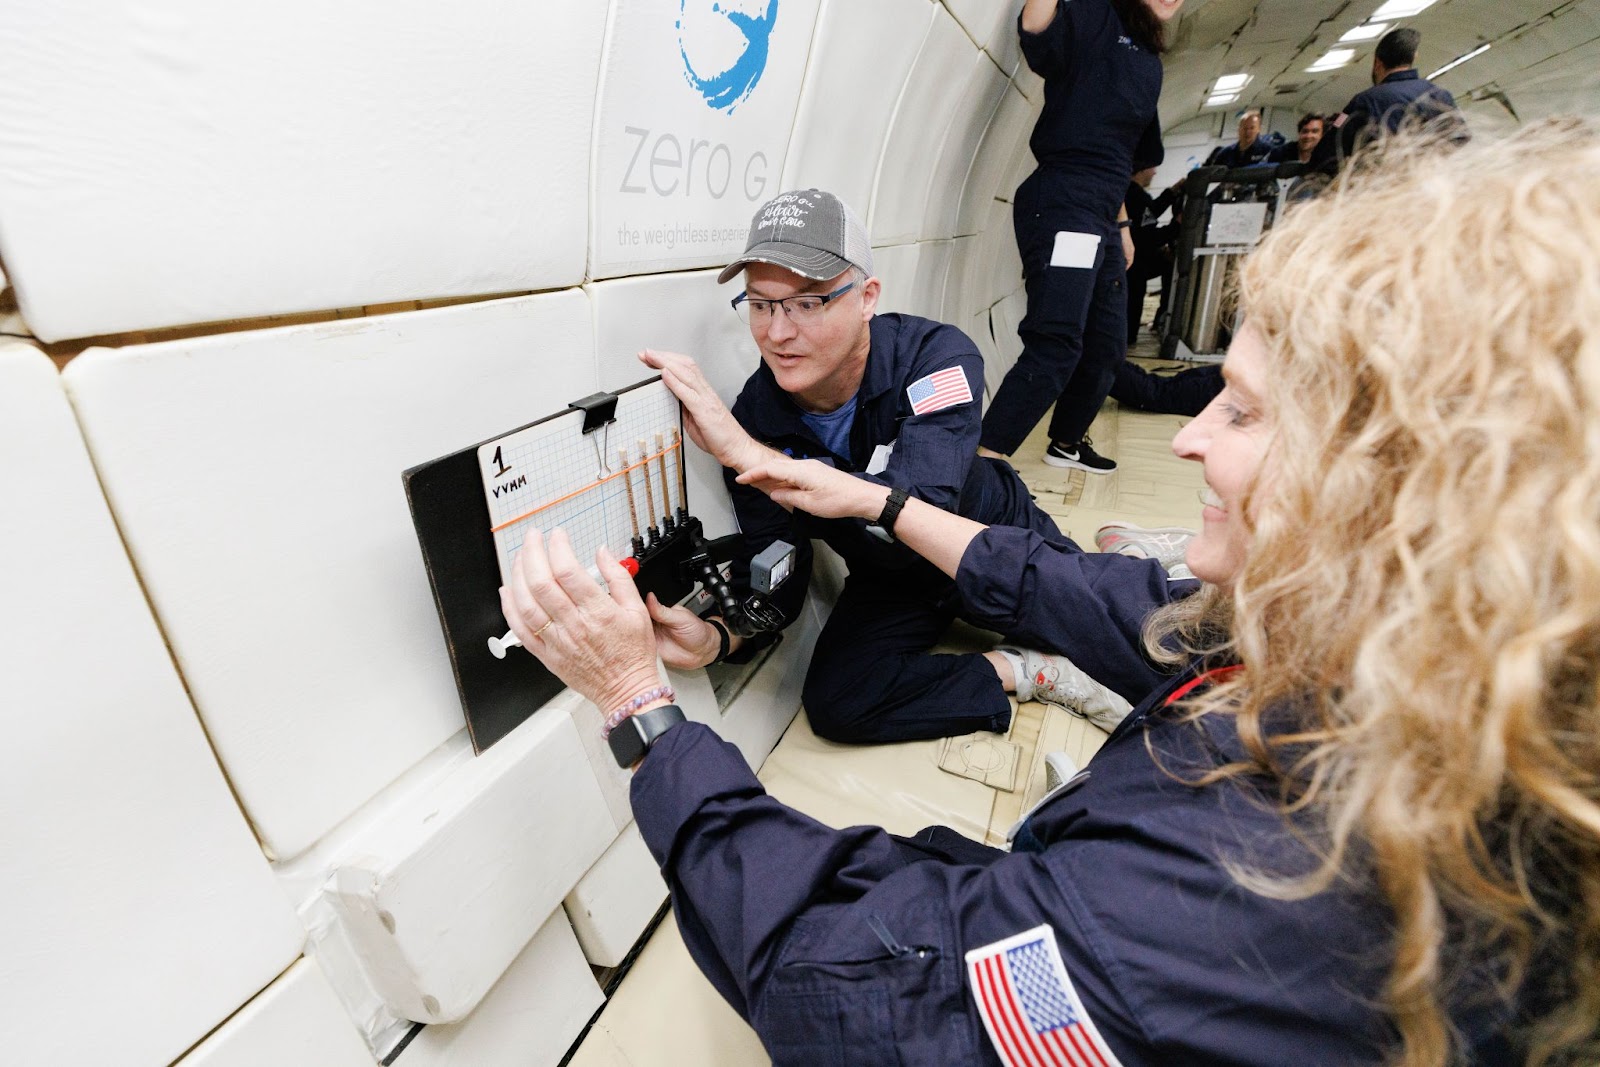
(724, 44)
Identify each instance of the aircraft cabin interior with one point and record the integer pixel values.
(259, 262)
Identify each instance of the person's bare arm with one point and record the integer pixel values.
(1037, 14)
(933, 533)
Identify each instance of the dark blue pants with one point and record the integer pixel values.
(1073, 336)
(872, 678)
(1185, 393)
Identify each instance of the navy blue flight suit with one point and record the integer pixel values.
(1402, 96)
(871, 676)
(1261, 150)
(1100, 94)
(847, 946)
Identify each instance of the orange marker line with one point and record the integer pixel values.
(579, 492)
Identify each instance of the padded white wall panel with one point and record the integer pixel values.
(697, 101)
(686, 313)
(182, 161)
(1004, 319)
(859, 63)
(981, 329)
(133, 892)
(983, 20)
(956, 300)
(256, 477)
(295, 1020)
(439, 896)
(980, 96)
(1010, 126)
(610, 907)
(933, 266)
(896, 267)
(927, 107)
(529, 1019)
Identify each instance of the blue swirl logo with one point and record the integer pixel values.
(724, 50)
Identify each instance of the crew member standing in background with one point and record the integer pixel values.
(1100, 60)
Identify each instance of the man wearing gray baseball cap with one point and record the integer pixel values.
(893, 399)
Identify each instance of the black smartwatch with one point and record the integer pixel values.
(634, 735)
(891, 511)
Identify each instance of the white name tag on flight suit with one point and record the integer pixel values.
(1074, 249)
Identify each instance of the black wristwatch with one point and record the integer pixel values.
(891, 511)
(634, 735)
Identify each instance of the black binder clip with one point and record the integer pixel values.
(599, 409)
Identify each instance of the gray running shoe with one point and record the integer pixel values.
(1056, 680)
(1165, 544)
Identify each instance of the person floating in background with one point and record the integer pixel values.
(1185, 393)
(1308, 134)
(1251, 148)
(1152, 241)
(1100, 60)
(1354, 818)
(894, 400)
(1399, 96)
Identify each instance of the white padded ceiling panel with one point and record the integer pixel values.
(1007, 129)
(182, 162)
(927, 107)
(982, 20)
(981, 331)
(134, 893)
(686, 313)
(957, 156)
(896, 267)
(295, 1020)
(697, 100)
(537, 1009)
(956, 300)
(933, 267)
(1007, 51)
(256, 477)
(859, 63)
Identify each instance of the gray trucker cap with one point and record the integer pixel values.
(809, 232)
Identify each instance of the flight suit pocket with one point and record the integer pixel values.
(843, 1001)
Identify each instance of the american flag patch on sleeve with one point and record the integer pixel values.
(1032, 1013)
(939, 390)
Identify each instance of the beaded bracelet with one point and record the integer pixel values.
(660, 692)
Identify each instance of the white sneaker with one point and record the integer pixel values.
(1164, 544)
(1056, 680)
(1058, 771)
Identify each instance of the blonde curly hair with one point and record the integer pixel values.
(1424, 571)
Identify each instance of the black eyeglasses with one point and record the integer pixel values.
(758, 312)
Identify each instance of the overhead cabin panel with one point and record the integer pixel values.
(697, 101)
(927, 107)
(186, 162)
(859, 64)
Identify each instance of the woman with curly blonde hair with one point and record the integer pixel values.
(1355, 817)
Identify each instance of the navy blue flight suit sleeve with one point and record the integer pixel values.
(1150, 151)
(934, 452)
(1049, 52)
(1090, 606)
(831, 943)
(840, 947)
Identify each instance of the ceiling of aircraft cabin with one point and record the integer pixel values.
(1543, 56)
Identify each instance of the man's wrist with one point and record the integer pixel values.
(724, 641)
